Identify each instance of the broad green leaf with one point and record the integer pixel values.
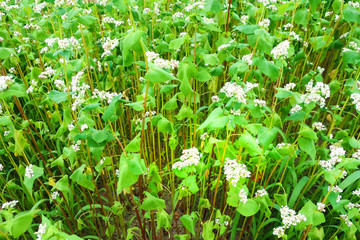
(307, 132)
(81, 178)
(247, 29)
(176, 43)
(308, 146)
(87, 20)
(249, 143)
(132, 41)
(215, 120)
(20, 142)
(6, 52)
(134, 145)
(15, 90)
(351, 14)
(158, 75)
(63, 184)
(189, 223)
(248, 209)
(267, 68)
(21, 223)
(171, 104)
(313, 216)
(163, 220)
(213, 6)
(208, 233)
(57, 96)
(130, 168)
(184, 112)
(186, 72)
(152, 203)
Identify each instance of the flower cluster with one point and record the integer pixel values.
(318, 126)
(243, 196)
(289, 218)
(317, 93)
(234, 171)
(162, 63)
(41, 231)
(189, 157)
(336, 155)
(355, 97)
(5, 82)
(109, 45)
(234, 90)
(281, 50)
(10, 204)
(261, 193)
(29, 172)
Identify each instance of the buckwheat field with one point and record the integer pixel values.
(180, 119)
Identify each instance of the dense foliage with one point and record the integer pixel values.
(124, 119)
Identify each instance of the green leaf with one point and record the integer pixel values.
(350, 180)
(351, 14)
(15, 90)
(121, 5)
(313, 216)
(208, 233)
(130, 168)
(165, 126)
(29, 182)
(307, 132)
(63, 184)
(210, 59)
(354, 143)
(20, 142)
(301, 16)
(87, 20)
(171, 104)
(176, 43)
(314, 4)
(248, 209)
(110, 112)
(249, 142)
(80, 178)
(297, 190)
(132, 41)
(189, 223)
(186, 72)
(158, 75)
(281, 199)
(21, 223)
(163, 220)
(247, 29)
(213, 6)
(308, 146)
(152, 203)
(185, 112)
(5, 121)
(5, 53)
(215, 120)
(267, 68)
(134, 145)
(57, 96)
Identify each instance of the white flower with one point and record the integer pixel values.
(318, 126)
(248, 59)
(264, 23)
(279, 231)
(1, 167)
(336, 156)
(204, 136)
(223, 46)
(281, 50)
(10, 204)
(243, 196)
(215, 98)
(321, 207)
(234, 90)
(345, 217)
(6, 133)
(355, 97)
(109, 45)
(84, 127)
(234, 171)
(5, 82)
(356, 192)
(295, 109)
(317, 93)
(259, 102)
(244, 19)
(41, 231)
(290, 218)
(289, 86)
(354, 4)
(29, 172)
(189, 157)
(54, 195)
(261, 193)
